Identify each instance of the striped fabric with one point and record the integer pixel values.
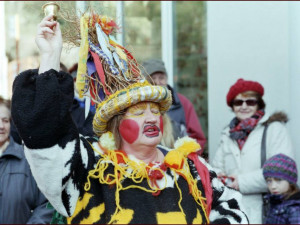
(282, 167)
(102, 55)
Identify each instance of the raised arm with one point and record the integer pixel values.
(41, 102)
(49, 42)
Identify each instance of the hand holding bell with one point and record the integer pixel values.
(51, 8)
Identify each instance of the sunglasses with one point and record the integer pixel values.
(249, 102)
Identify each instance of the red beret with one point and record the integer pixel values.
(241, 86)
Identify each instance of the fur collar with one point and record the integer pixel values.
(277, 116)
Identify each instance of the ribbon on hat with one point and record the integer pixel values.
(121, 64)
(100, 71)
(119, 57)
(91, 68)
(118, 48)
(103, 41)
(80, 84)
(101, 54)
(132, 63)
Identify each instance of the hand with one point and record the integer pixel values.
(49, 42)
(235, 183)
(48, 37)
(221, 174)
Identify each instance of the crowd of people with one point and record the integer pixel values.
(137, 158)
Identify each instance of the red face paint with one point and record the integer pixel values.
(129, 130)
(161, 125)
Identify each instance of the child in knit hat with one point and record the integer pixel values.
(280, 173)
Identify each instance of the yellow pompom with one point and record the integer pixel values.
(174, 159)
(107, 141)
(187, 145)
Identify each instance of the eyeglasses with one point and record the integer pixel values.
(249, 102)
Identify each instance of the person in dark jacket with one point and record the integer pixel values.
(182, 113)
(21, 201)
(280, 172)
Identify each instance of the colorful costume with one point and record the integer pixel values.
(89, 180)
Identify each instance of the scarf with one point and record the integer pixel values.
(240, 130)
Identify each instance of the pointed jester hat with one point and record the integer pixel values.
(109, 74)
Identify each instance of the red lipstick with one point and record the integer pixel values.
(151, 131)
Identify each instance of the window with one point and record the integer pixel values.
(142, 35)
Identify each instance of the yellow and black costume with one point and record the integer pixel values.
(87, 179)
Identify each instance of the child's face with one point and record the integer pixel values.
(277, 186)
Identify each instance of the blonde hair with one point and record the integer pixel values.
(168, 137)
(113, 126)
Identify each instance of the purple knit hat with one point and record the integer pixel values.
(282, 167)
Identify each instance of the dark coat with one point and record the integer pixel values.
(184, 119)
(177, 116)
(20, 199)
(283, 211)
(84, 125)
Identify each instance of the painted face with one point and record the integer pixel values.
(4, 124)
(246, 109)
(142, 124)
(277, 186)
(160, 78)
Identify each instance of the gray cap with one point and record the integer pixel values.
(153, 66)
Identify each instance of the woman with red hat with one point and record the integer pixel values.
(238, 158)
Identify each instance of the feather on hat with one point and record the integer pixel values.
(109, 74)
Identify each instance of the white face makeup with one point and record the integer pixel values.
(142, 125)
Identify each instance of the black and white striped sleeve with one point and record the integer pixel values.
(227, 205)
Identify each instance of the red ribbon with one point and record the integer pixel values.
(205, 178)
(100, 71)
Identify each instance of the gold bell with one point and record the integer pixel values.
(51, 8)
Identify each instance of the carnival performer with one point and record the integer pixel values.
(122, 175)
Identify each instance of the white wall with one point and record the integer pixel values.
(294, 47)
(3, 59)
(257, 41)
